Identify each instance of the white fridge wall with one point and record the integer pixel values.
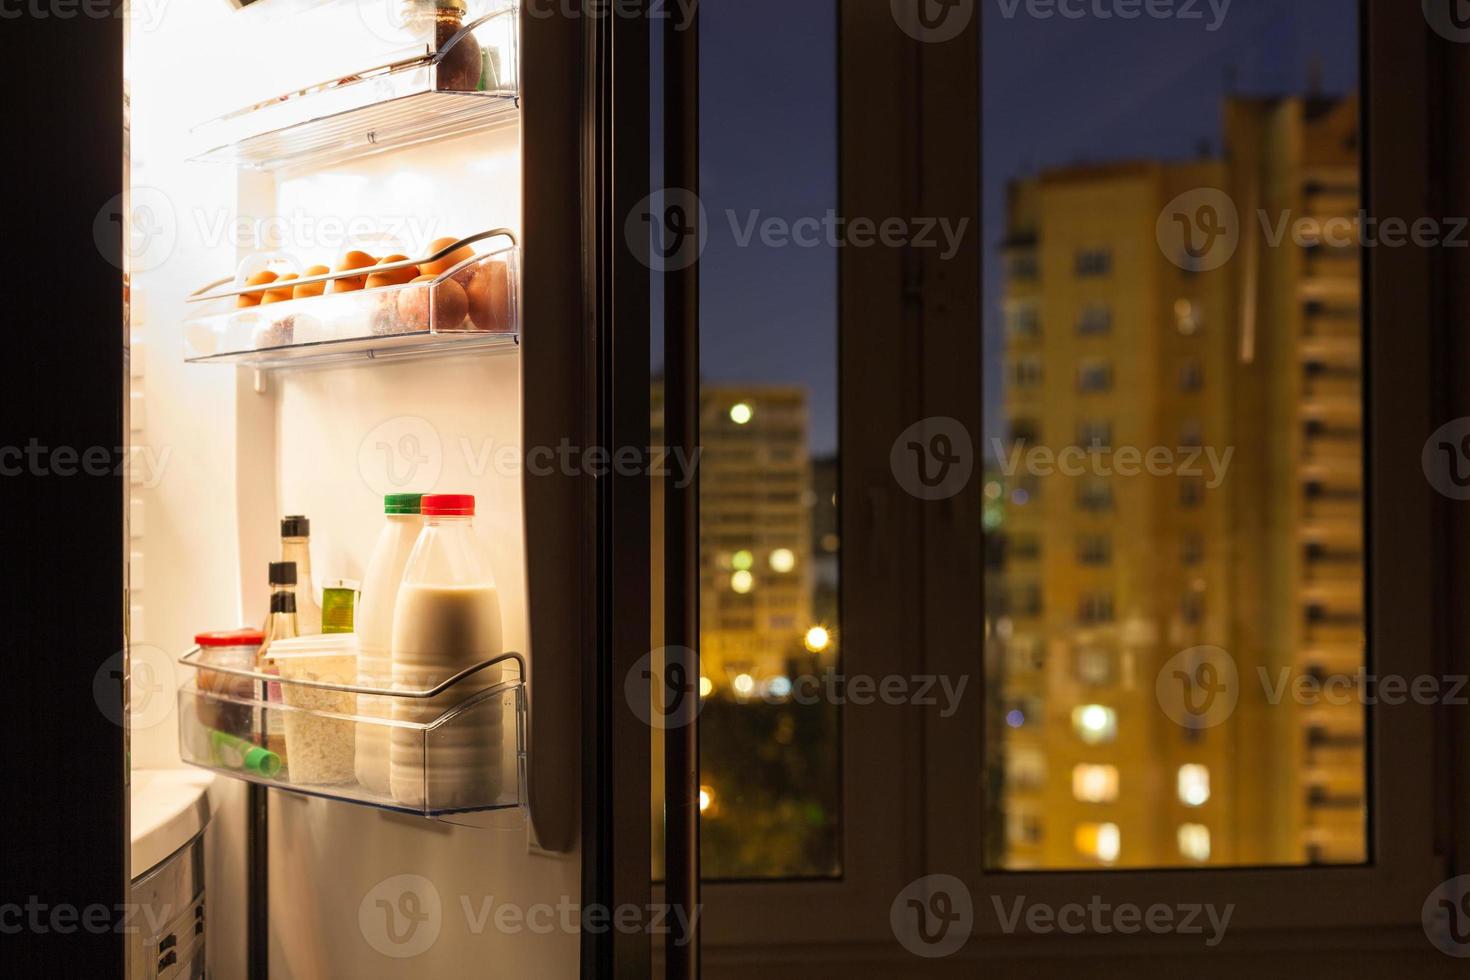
(326, 442)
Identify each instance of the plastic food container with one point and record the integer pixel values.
(321, 736)
(229, 648)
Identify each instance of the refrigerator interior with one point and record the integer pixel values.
(226, 451)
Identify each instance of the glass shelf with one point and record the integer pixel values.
(430, 95)
(473, 305)
(444, 752)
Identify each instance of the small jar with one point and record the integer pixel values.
(460, 66)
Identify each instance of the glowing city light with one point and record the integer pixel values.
(706, 798)
(742, 582)
(1194, 785)
(741, 414)
(817, 639)
(744, 685)
(743, 560)
(1094, 723)
(782, 560)
(706, 687)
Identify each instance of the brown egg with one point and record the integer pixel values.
(311, 288)
(451, 306)
(283, 295)
(489, 297)
(396, 277)
(449, 261)
(353, 260)
(253, 299)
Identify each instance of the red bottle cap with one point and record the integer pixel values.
(448, 505)
(231, 638)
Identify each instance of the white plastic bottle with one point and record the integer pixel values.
(374, 621)
(447, 618)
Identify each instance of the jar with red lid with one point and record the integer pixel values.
(218, 707)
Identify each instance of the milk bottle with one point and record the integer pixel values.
(374, 621)
(446, 618)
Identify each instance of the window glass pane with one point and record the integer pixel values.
(770, 627)
(1174, 494)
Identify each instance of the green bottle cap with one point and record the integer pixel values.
(402, 503)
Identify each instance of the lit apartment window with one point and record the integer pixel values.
(1026, 768)
(1095, 784)
(1094, 666)
(1188, 318)
(1194, 784)
(1095, 493)
(1191, 376)
(1095, 724)
(1094, 608)
(1194, 842)
(1094, 263)
(1095, 320)
(1023, 827)
(1026, 600)
(1094, 377)
(1101, 841)
(1095, 434)
(1094, 549)
(1023, 320)
(1024, 653)
(1026, 372)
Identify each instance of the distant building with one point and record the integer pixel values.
(1112, 348)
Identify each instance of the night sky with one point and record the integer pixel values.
(1054, 91)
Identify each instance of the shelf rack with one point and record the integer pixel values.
(467, 757)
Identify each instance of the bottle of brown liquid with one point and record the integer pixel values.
(460, 66)
(279, 625)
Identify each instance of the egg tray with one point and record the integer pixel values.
(475, 304)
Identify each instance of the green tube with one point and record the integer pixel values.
(236, 753)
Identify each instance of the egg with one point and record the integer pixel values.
(253, 299)
(311, 288)
(353, 260)
(441, 266)
(282, 295)
(451, 306)
(489, 297)
(396, 277)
